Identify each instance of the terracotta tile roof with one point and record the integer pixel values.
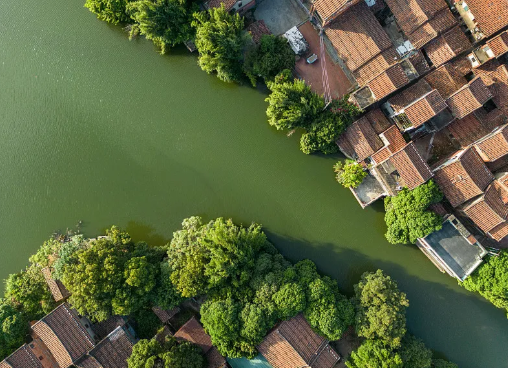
(394, 138)
(419, 63)
(488, 211)
(362, 43)
(64, 335)
(411, 167)
(463, 177)
(88, 362)
(192, 331)
(494, 146)
(389, 81)
(499, 44)
(228, 4)
(257, 30)
(215, 359)
(103, 329)
(425, 108)
(499, 232)
(416, 18)
(378, 120)
(447, 46)
(446, 80)
(409, 95)
(439, 209)
(382, 155)
(362, 139)
(491, 15)
(328, 10)
(467, 130)
(293, 343)
(21, 358)
(58, 290)
(165, 314)
(469, 98)
(114, 350)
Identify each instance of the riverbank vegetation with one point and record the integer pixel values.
(407, 215)
(245, 286)
(350, 173)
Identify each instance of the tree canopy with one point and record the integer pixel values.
(13, 328)
(380, 308)
(349, 174)
(220, 43)
(491, 280)
(374, 354)
(267, 59)
(441, 363)
(414, 353)
(112, 11)
(165, 22)
(407, 216)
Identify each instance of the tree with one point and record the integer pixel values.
(213, 256)
(66, 255)
(165, 22)
(144, 354)
(414, 353)
(374, 354)
(407, 216)
(184, 355)
(350, 174)
(13, 328)
(290, 300)
(322, 134)
(112, 11)
(255, 323)
(380, 308)
(220, 43)
(292, 103)
(441, 363)
(267, 59)
(491, 280)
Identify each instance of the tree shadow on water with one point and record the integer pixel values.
(144, 232)
(458, 325)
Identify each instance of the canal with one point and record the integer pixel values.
(99, 129)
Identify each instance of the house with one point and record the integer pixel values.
(165, 315)
(447, 46)
(24, 357)
(193, 332)
(237, 6)
(493, 148)
(327, 10)
(463, 176)
(293, 343)
(483, 18)
(359, 141)
(468, 130)
(446, 80)
(453, 249)
(111, 352)
(57, 289)
(499, 44)
(469, 98)
(257, 30)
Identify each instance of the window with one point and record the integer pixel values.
(32, 346)
(41, 358)
(489, 106)
(469, 76)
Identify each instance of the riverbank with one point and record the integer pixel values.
(115, 133)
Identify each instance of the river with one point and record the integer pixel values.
(103, 130)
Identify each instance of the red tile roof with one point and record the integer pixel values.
(425, 108)
(411, 167)
(104, 328)
(419, 63)
(489, 210)
(499, 44)
(378, 120)
(494, 146)
(360, 140)
(257, 30)
(293, 343)
(21, 358)
(409, 95)
(499, 232)
(193, 331)
(382, 155)
(64, 335)
(463, 177)
(328, 10)
(469, 98)
(467, 130)
(388, 82)
(491, 15)
(447, 46)
(446, 79)
(165, 314)
(215, 359)
(56, 287)
(228, 4)
(394, 138)
(362, 43)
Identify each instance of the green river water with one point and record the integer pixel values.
(99, 129)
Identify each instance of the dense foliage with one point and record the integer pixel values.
(13, 328)
(407, 216)
(115, 276)
(250, 286)
(440, 363)
(414, 353)
(292, 104)
(491, 280)
(112, 11)
(374, 354)
(220, 43)
(349, 174)
(168, 354)
(267, 59)
(380, 309)
(165, 22)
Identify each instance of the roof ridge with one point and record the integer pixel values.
(286, 340)
(80, 327)
(316, 355)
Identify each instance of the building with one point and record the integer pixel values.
(193, 332)
(165, 315)
(453, 249)
(493, 148)
(483, 18)
(359, 141)
(24, 357)
(469, 98)
(58, 290)
(327, 10)
(293, 343)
